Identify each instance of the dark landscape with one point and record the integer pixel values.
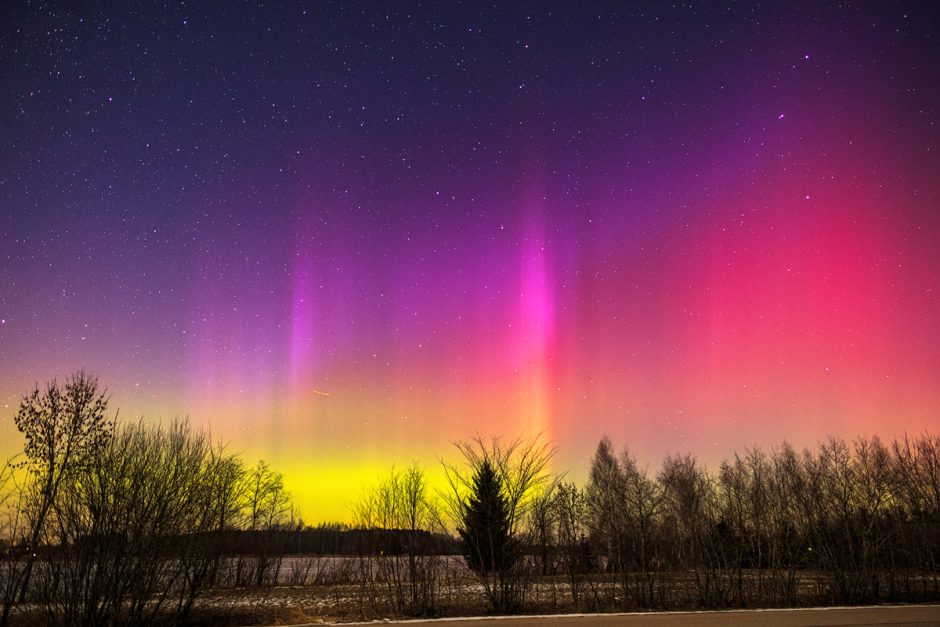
(125, 523)
(619, 312)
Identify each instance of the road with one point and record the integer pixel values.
(909, 615)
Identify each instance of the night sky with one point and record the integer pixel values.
(342, 235)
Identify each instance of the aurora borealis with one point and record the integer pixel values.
(342, 235)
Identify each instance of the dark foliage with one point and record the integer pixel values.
(336, 541)
(488, 545)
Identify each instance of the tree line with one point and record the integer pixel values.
(844, 523)
(132, 523)
(841, 524)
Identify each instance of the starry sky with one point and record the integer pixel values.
(342, 235)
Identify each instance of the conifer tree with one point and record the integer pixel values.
(485, 533)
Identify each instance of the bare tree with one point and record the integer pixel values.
(419, 516)
(541, 527)
(625, 510)
(606, 494)
(12, 521)
(401, 517)
(64, 429)
(7, 496)
(267, 508)
(916, 487)
(788, 523)
(569, 507)
(643, 498)
(743, 508)
(690, 497)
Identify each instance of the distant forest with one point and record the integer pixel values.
(106, 522)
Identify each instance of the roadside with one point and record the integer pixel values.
(910, 615)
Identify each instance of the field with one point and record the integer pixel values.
(314, 589)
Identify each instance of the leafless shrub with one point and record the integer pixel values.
(398, 571)
(139, 533)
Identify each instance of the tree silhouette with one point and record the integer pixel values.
(489, 505)
(485, 533)
(64, 428)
